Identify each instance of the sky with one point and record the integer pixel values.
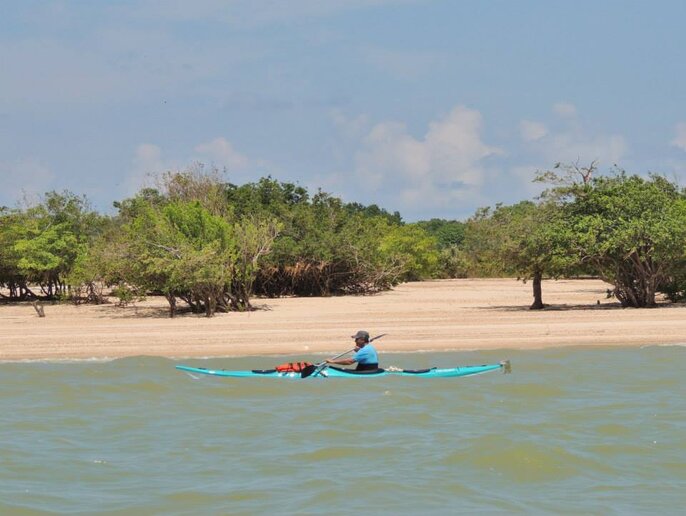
(433, 108)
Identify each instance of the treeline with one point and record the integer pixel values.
(628, 230)
(208, 244)
(212, 245)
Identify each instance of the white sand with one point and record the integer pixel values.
(434, 315)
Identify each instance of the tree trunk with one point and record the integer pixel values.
(538, 294)
(650, 295)
(210, 305)
(28, 292)
(171, 299)
(39, 308)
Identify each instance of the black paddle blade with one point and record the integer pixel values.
(308, 370)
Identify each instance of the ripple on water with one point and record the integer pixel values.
(524, 462)
(348, 453)
(135, 436)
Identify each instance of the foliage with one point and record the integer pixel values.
(528, 240)
(453, 262)
(448, 233)
(411, 249)
(10, 276)
(631, 231)
(373, 211)
(42, 243)
(181, 250)
(674, 286)
(213, 245)
(326, 246)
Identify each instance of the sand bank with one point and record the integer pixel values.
(433, 315)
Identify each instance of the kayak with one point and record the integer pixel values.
(337, 372)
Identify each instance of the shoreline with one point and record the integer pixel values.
(430, 316)
(323, 354)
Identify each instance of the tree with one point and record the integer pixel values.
(527, 239)
(200, 239)
(410, 249)
(254, 239)
(48, 238)
(182, 250)
(631, 230)
(11, 223)
(374, 211)
(448, 233)
(325, 246)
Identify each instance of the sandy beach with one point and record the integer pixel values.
(433, 315)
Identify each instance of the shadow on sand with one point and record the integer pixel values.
(160, 312)
(567, 307)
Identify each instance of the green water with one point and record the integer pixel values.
(572, 430)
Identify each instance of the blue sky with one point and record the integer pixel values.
(432, 108)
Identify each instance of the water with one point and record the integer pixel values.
(572, 430)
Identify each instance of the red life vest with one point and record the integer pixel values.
(292, 367)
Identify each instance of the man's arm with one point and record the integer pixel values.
(342, 361)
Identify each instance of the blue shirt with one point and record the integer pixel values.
(366, 355)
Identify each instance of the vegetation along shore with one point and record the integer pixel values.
(205, 246)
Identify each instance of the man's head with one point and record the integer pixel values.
(361, 338)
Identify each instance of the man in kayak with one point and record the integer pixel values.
(365, 355)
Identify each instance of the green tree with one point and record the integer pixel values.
(450, 237)
(411, 249)
(254, 240)
(448, 233)
(374, 211)
(527, 239)
(11, 224)
(50, 237)
(184, 251)
(326, 246)
(631, 230)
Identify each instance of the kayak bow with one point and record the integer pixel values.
(335, 372)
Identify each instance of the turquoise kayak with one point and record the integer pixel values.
(336, 372)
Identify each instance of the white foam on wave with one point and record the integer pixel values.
(669, 345)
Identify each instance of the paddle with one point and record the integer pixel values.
(316, 369)
(310, 369)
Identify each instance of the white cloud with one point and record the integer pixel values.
(24, 179)
(571, 142)
(532, 131)
(608, 149)
(221, 153)
(442, 167)
(565, 110)
(680, 138)
(149, 161)
(575, 145)
(451, 170)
